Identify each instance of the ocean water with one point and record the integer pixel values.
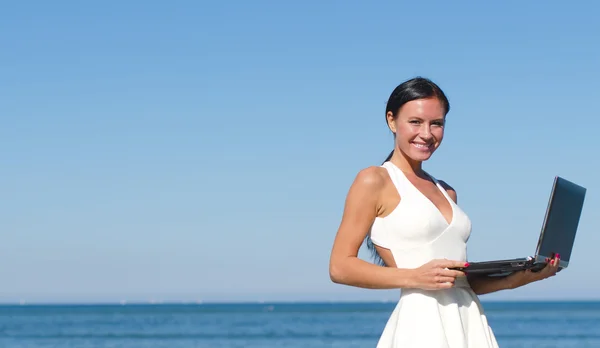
(265, 325)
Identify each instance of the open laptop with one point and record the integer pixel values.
(556, 237)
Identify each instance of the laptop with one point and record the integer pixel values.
(556, 237)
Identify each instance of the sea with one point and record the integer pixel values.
(266, 325)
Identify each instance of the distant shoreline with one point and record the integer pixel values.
(263, 303)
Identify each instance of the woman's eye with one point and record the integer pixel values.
(434, 123)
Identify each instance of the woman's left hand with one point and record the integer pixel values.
(521, 278)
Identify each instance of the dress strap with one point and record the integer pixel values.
(393, 173)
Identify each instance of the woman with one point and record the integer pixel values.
(414, 226)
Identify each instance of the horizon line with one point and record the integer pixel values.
(257, 302)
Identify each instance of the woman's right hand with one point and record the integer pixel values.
(437, 274)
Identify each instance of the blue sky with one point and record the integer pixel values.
(191, 150)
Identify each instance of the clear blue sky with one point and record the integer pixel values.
(191, 150)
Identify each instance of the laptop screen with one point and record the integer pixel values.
(562, 220)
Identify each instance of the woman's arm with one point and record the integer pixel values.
(360, 211)
(484, 284)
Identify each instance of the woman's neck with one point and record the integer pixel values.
(406, 164)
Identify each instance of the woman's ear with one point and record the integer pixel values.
(390, 121)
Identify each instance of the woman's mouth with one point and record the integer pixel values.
(422, 146)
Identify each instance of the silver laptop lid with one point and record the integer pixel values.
(561, 221)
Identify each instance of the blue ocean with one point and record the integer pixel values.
(265, 325)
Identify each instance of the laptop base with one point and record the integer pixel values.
(503, 267)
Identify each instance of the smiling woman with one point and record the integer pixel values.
(421, 127)
(418, 234)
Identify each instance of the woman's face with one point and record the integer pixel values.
(419, 128)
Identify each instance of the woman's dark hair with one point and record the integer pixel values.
(413, 89)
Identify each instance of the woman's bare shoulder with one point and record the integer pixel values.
(372, 178)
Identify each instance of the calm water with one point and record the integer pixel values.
(517, 324)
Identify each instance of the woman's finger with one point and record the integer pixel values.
(556, 263)
(451, 273)
(444, 279)
(552, 267)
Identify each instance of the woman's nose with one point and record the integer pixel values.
(425, 132)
